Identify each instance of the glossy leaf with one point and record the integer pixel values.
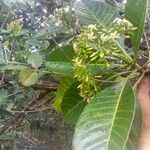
(59, 67)
(135, 133)
(106, 121)
(135, 12)
(65, 54)
(59, 60)
(35, 59)
(95, 12)
(28, 77)
(72, 104)
(63, 87)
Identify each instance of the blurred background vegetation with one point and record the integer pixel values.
(27, 117)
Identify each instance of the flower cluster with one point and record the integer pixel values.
(14, 27)
(63, 17)
(82, 74)
(98, 45)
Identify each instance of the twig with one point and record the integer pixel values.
(43, 85)
(6, 19)
(13, 120)
(138, 81)
(106, 81)
(30, 111)
(25, 138)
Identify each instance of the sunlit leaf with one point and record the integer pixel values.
(28, 77)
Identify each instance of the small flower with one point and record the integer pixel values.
(123, 22)
(92, 27)
(115, 35)
(66, 9)
(91, 36)
(127, 23)
(104, 37)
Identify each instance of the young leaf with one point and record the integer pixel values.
(35, 59)
(106, 121)
(72, 104)
(28, 77)
(135, 12)
(95, 12)
(63, 87)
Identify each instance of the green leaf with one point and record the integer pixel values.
(40, 34)
(59, 67)
(106, 121)
(12, 67)
(28, 77)
(72, 104)
(63, 87)
(65, 54)
(95, 12)
(45, 44)
(67, 69)
(3, 31)
(33, 42)
(135, 133)
(59, 60)
(135, 12)
(35, 59)
(24, 32)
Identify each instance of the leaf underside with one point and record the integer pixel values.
(95, 12)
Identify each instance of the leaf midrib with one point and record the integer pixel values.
(115, 113)
(94, 16)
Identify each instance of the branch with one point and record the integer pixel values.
(5, 79)
(42, 85)
(14, 120)
(45, 85)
